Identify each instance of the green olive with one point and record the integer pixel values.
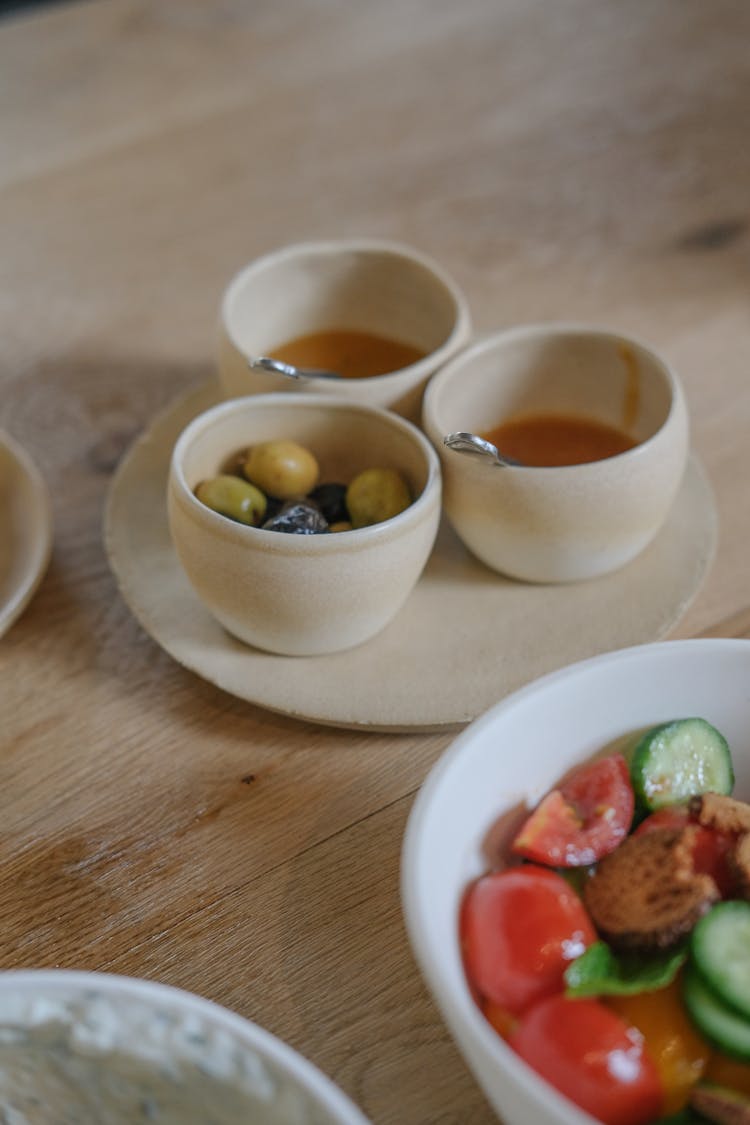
(282, 469)
(376, 495)
(233, 497)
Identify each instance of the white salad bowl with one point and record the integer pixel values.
(112, 1050)
(514, 753)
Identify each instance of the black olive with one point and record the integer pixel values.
(331, 499)
(273, 507)
(298, 518)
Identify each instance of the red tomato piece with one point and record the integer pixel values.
(593, 1057)
(519, 930)
(670, 816)
(583, 819)
(710, 850)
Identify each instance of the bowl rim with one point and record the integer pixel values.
(491, 341)
(313, 1080)
(459, 332)
(358, 538)
(460, 1012)
(39, 554)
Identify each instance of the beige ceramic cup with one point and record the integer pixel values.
(560, 524)
(365, 285)
(304, 594)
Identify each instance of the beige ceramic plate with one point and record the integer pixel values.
(465, 638)
(25, 530)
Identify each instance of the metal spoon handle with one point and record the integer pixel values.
(278, 367)
(464, 442)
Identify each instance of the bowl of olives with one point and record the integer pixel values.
(303, 523)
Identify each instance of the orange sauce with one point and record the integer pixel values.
(356, 355)
(557, 439)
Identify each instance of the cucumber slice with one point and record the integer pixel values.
(678, 760)
(721, 1025)
(720, 946)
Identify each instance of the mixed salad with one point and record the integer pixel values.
(610, 945)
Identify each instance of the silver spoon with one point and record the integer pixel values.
(278, 367)
(471, 443)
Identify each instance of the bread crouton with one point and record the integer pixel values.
(713, 810)
(646, 895)
(739, 863)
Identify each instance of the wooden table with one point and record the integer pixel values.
(585, 160)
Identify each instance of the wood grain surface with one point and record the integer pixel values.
(585, 160)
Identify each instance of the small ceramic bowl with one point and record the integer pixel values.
(382, 288)
(568, 522)
(119, 1049)
(304, 594)
(514, 754)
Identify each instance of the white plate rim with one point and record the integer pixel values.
(38, 559)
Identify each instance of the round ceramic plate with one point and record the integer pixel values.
(465, 638)
(25, 530)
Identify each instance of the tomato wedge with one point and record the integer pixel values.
(594, 1057)
(520, 928)
(583, 819)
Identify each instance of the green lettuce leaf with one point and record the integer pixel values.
(601, 972)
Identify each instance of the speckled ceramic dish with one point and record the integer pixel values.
(25, 530)
(96, 1049)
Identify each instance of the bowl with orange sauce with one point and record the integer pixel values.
(599, 425)
(382, 315)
